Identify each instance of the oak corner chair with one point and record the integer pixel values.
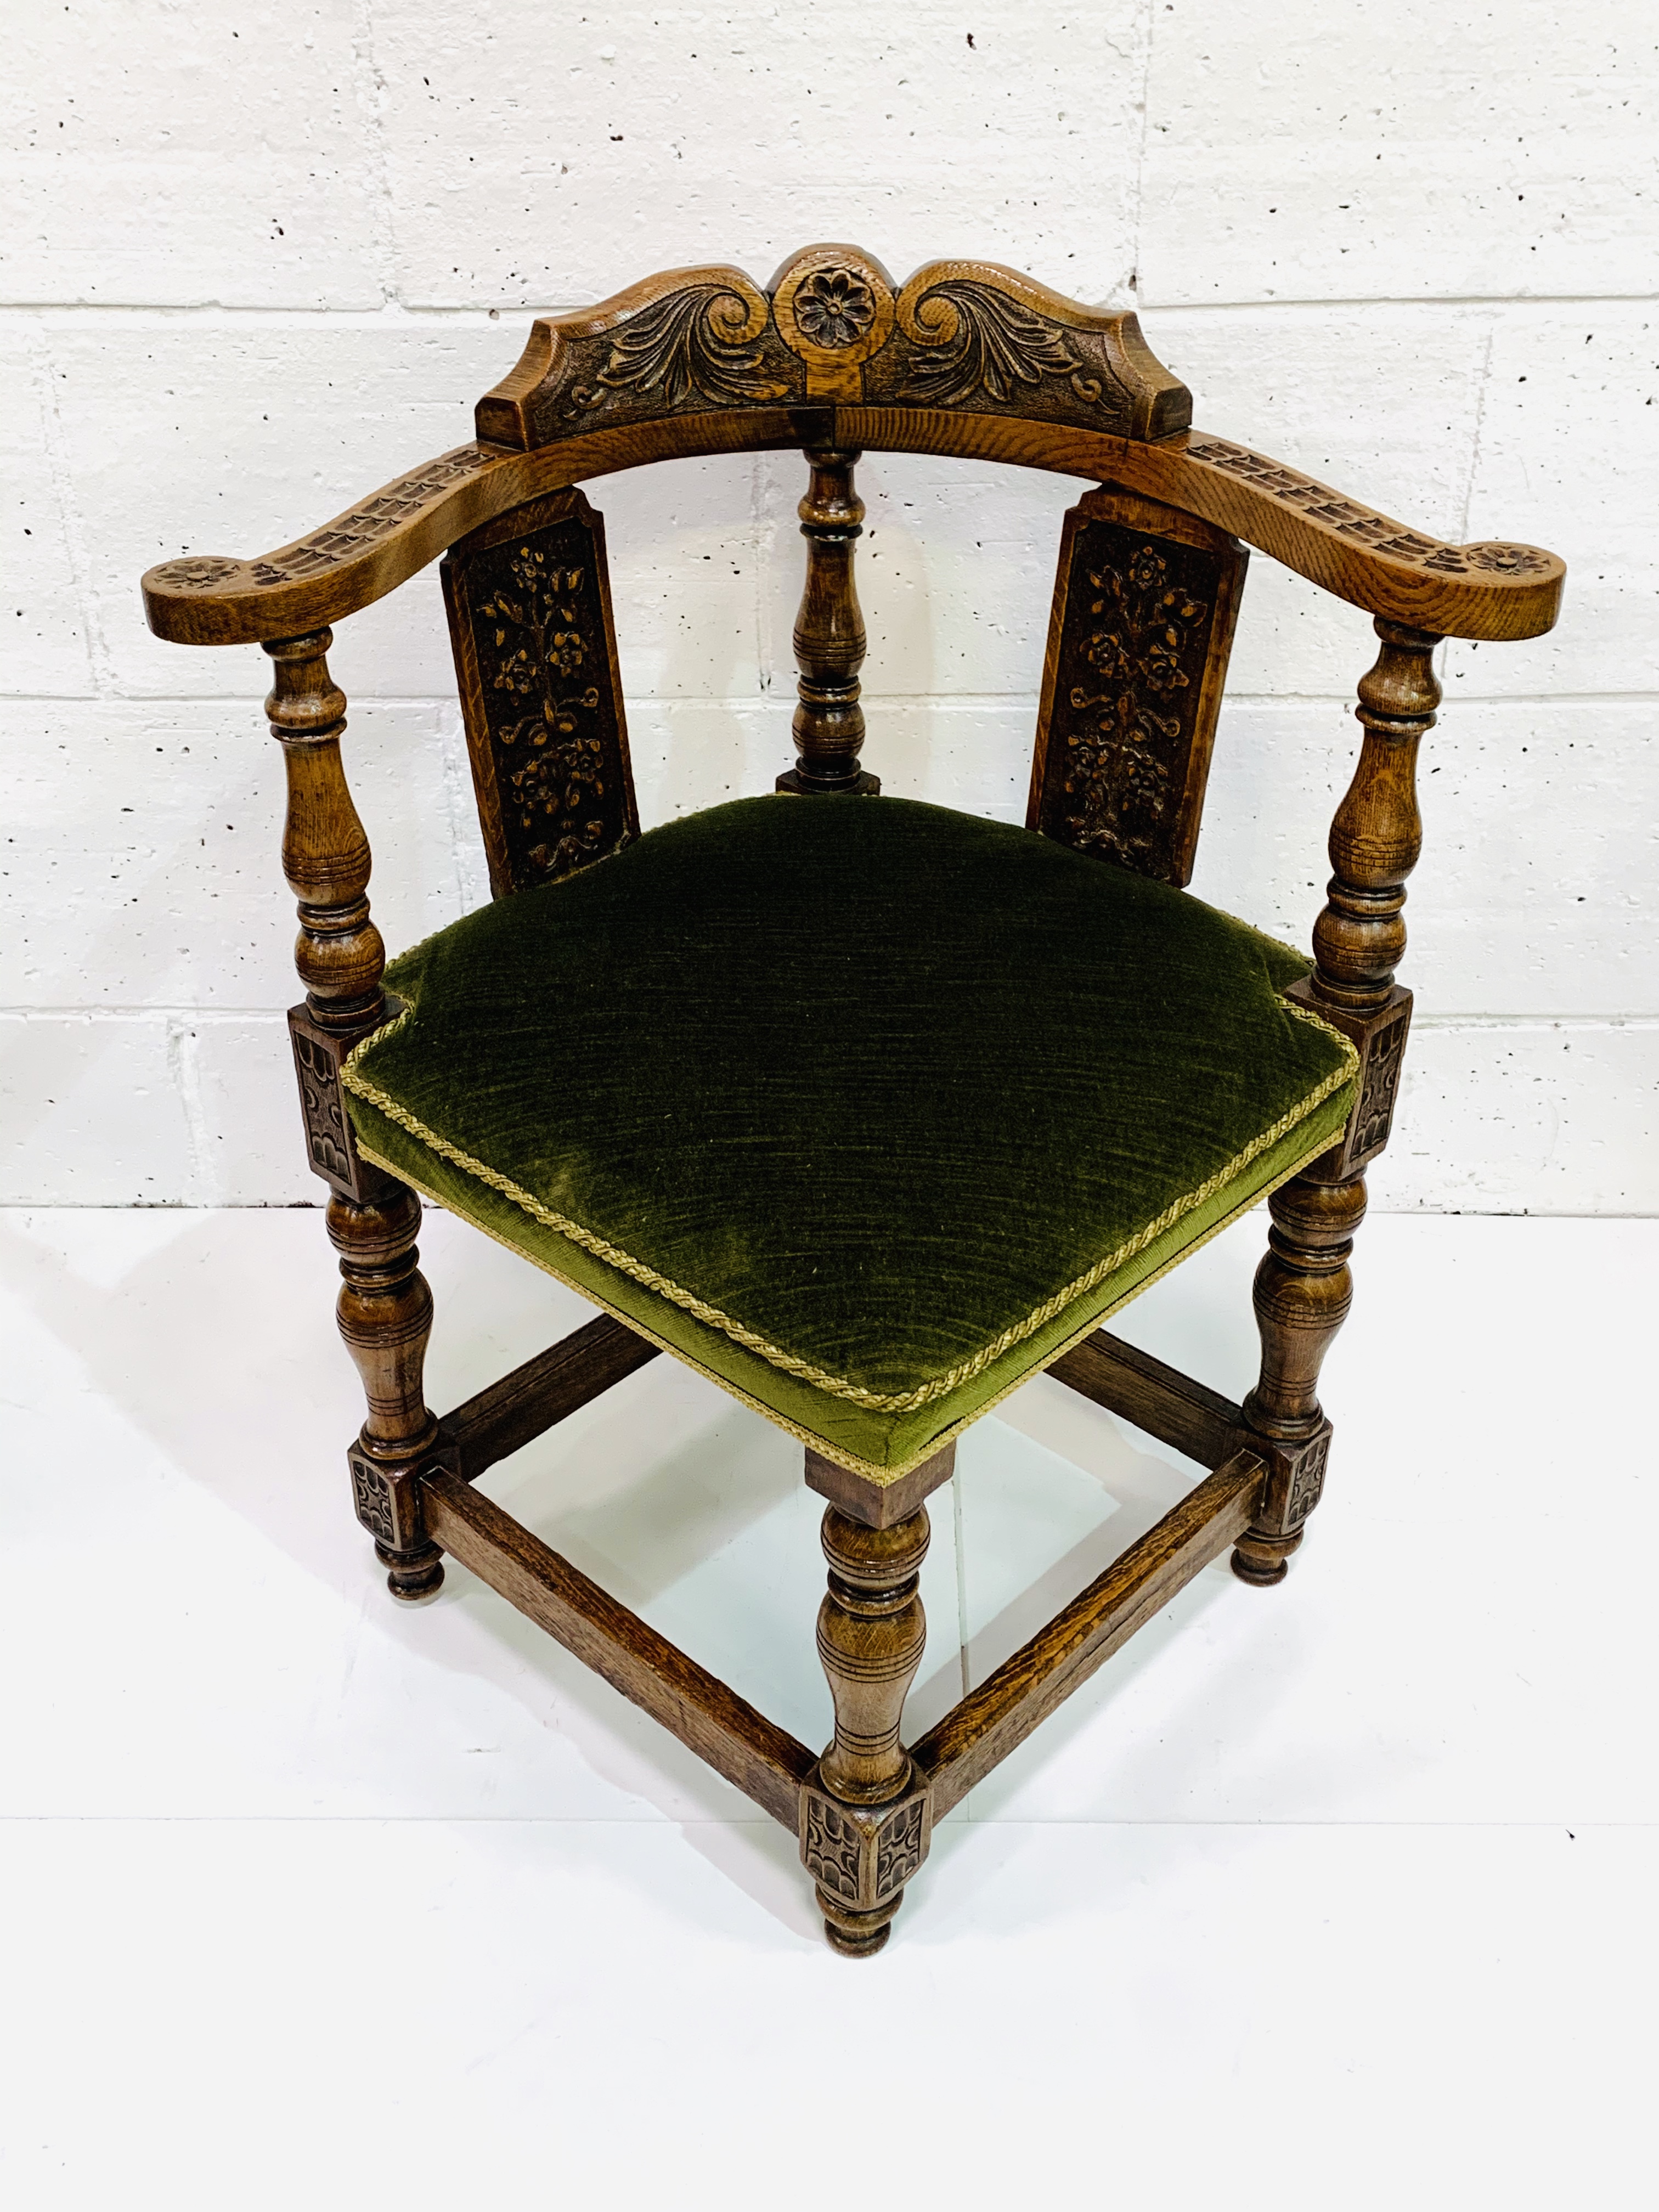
(868, 1112)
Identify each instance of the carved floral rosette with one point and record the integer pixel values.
(1140, 633)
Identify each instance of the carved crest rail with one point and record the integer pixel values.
(964, 358)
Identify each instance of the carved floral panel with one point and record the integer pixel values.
(1129, 716)
(544, 723)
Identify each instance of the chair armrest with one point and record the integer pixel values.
(1485, 590)
(1482, 590)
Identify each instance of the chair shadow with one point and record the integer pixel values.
(643, 1489)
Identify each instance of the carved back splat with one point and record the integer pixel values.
(529, 601)
(1144, 603)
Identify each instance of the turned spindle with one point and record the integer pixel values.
(829, 724)
(325, 856)
(385, 1308)
(866, 1818)
(1304, 1288)
(1376, 833)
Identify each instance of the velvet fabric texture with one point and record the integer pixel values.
(866, 1108)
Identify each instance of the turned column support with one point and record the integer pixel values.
(866, 1816)
(1376, 833)
(1303, 1288)
(829, 642)
(385, 1308)
(325, 856)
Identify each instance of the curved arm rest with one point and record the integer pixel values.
(1482, 590)
(965, 358)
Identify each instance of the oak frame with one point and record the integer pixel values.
(964, 359)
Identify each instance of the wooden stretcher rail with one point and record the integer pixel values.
(764, 1761)
(1160, 1400)
(569, 1374)
(978, 1733)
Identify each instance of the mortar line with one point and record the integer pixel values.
(394, 309)
(1481, 390)
(61, 476)
(1149, 20)
(385, 233)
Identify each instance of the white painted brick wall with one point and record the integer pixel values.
(256, 261)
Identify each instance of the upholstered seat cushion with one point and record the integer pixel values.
(866, 1108)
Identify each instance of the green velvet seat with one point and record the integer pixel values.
(867, 1109)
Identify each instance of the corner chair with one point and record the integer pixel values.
(869, 1112)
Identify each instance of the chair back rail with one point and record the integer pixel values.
(966, 359)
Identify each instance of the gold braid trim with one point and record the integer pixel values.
(876, 1401)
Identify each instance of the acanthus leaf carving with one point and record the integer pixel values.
(696, 343)
(989, 342)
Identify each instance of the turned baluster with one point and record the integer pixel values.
(830, 643)
(1303, 1287)
(866, 1818)
(385, 1307)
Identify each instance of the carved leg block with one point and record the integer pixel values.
(1379, 1038)
(861, 1857)
(1296, 1477)
(386, 1318)
(866, 1817)
(330, 1147)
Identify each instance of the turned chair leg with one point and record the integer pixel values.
(1303, 1288)
(385, 1307)
(866, 1817)
(384, 1313)
(1302, 1293)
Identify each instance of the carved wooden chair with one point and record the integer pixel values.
(869, 1112)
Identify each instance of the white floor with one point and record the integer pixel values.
(1338, 1895)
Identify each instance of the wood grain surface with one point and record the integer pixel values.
(965, 359)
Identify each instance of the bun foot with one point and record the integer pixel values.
(412, 1575)
(856, 1935)
(1264, 1560)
